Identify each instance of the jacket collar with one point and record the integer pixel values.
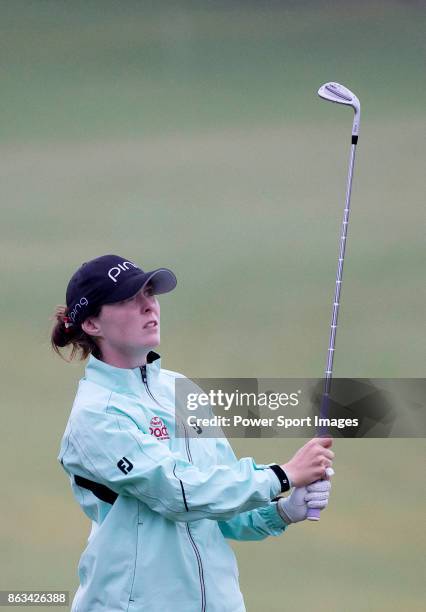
(122, 380)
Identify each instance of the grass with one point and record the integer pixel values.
(190, 136)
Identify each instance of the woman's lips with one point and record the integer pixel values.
(150, 324)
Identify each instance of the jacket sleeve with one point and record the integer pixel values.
(108, 447)
(255, 524)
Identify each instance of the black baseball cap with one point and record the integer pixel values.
(109, 279)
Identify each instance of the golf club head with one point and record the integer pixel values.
(334, 92)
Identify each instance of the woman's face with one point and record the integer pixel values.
(130, 328)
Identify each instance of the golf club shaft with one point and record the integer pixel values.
(313, 513)
(339, 275)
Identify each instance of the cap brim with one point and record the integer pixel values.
(162, 280)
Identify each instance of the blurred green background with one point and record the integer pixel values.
(189, 135)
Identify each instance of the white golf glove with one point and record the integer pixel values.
(294, 508)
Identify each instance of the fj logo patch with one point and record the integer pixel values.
(125, 465)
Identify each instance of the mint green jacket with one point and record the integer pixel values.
(161, 506)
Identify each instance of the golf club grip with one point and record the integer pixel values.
(313, 514)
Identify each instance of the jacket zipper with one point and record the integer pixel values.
(188, 452)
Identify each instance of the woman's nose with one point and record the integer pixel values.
(146, 303)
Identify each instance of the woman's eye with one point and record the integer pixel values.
(148, 292)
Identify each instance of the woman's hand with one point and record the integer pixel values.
(310, 462)
(294, 508)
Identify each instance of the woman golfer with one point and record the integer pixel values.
(161, 506)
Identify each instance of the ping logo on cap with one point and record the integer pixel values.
(74, 312)
(114, 272)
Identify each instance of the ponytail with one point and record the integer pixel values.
(65, 333)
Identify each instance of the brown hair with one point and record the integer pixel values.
(72, 336)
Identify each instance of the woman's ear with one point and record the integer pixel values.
(91, 326)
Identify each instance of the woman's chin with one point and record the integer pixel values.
(152, 340)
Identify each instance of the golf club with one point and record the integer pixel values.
(334, 92)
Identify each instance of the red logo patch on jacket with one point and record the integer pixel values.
(158, 429)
